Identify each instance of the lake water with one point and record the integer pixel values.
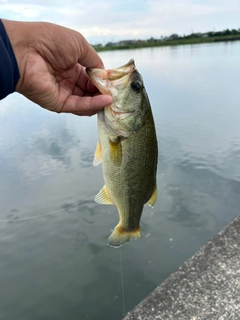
(57, 265)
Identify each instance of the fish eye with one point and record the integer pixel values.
(136, 86)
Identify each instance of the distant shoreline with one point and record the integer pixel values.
(162, 43)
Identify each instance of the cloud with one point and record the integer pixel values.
(107, 20)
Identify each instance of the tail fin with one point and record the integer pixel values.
(120, 236)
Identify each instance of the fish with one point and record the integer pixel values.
(127, 148)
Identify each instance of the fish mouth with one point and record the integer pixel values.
(117, 78)
(99, 77)
(113, 74)
(102, 78)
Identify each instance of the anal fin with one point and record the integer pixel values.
(103, 197)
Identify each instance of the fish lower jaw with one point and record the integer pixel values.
(120, 236)
(121, 113)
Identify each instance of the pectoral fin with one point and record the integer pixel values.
(116, 152)
(151, 202)
(98, 155)
(103, 197)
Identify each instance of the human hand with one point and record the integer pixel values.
(52, 61)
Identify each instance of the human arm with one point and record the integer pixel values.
(51, 61)
(9, 73)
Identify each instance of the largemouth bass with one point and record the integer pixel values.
(127, 148)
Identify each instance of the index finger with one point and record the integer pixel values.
(88, 57)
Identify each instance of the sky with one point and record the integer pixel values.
(101, 21)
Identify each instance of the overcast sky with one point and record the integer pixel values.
(101, 21)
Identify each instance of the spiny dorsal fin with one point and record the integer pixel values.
(116, 152)
(98, 155)
(151, 202)
(103, 197)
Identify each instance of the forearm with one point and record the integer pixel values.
(9, 71)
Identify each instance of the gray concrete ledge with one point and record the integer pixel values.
(207, 286)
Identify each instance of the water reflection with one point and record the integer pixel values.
(54, 144)
(58, 266)
(87, 157)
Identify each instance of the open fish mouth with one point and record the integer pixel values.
(105, 80)
(102, 78)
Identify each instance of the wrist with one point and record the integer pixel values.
(18, 36)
